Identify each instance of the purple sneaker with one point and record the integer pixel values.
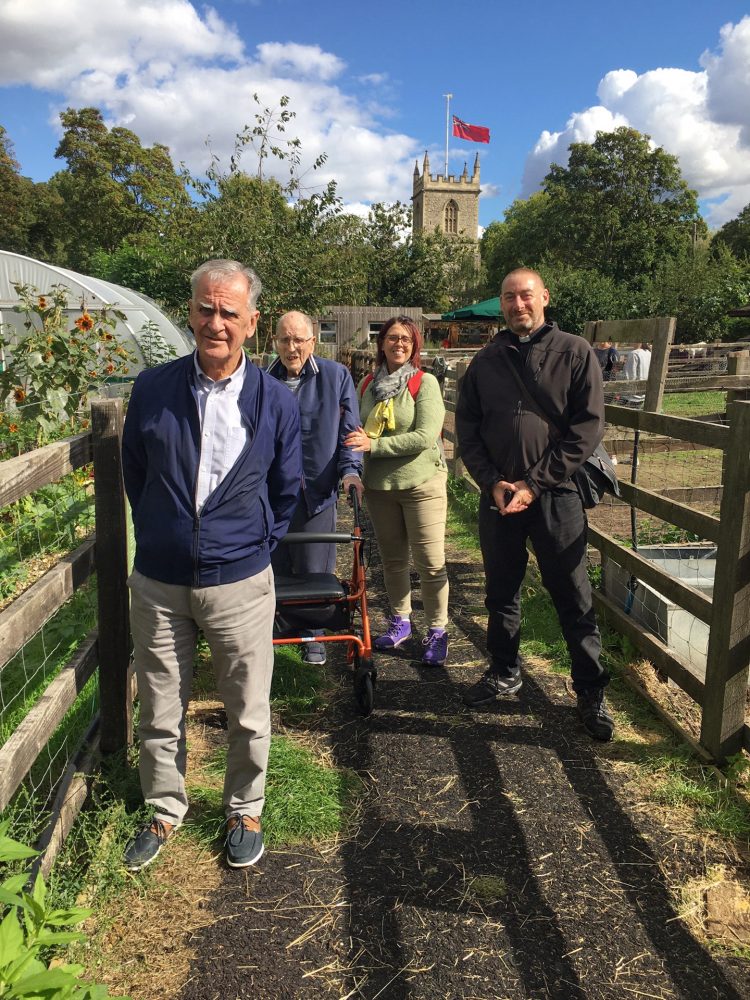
(399, 630)
(436, 647)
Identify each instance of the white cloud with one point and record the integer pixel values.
(200, 86)
(702, 117)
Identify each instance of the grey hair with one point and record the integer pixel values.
(295, 312)
(224, 270)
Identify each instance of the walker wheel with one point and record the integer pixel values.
(364, 686)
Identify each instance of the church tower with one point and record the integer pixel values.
(450, 204)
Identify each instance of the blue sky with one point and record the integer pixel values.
(367, 80)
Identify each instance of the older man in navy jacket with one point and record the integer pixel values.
(212, 465)
(328, 412)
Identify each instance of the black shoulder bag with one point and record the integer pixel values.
(597, 475)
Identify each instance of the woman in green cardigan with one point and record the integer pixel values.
(405, 479)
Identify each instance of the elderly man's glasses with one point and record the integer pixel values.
(396, 339)
(293, 341)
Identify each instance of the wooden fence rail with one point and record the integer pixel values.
(106, 647)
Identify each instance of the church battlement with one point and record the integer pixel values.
(450, 204)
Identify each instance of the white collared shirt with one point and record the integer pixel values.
(223, 432)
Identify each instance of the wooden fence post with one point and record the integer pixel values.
(111, 570)
(738, 363)
(457, 466)
(657, 373)
(729, 640)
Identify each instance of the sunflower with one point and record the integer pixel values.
(13, 428)
(85, 322)
(42, 302)
(19, 394)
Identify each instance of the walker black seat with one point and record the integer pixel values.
(309, 587)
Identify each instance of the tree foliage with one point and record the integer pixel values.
(113, 187)
(620, 206)
(735, 234)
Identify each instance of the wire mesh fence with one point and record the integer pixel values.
(691, 476)
(36, 531)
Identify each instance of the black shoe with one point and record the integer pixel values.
(493, 686)
(592, 708)
(244, 840)
(314, 653)
(147, 843)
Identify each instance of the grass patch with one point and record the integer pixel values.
(691, 404)
(296, 688)
(463, 514)
(487, 888)
(306, 800)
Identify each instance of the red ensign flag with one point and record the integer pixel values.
(472, 133)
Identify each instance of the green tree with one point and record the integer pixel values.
(431, 270)
(15, 199)
(581, 294)
(620, 206)
(522, 239)
(698, 288)
(736, 234)
(113, 186)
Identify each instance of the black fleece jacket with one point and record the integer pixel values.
(501, 437)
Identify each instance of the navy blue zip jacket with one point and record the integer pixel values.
(328, 412)
(248, 512)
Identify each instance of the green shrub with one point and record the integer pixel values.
(29, 929)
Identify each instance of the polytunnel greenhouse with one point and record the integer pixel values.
(141, 327)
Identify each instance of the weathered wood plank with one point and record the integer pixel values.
(651, 646)
(689, 598)
(703, 525)
(111, 573)
(729, 639)
(624, 331)
(26, 615)
(709, 435)
(18, 754)
(35, 469)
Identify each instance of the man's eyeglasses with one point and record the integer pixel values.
(293, 341)
(395, 339)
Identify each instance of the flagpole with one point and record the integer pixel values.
(447, 122)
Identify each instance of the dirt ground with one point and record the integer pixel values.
(497, 854)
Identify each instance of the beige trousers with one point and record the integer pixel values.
(413, 519)
(237, 621)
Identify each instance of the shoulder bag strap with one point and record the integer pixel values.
(535, 404)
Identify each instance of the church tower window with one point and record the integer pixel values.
(451, 217)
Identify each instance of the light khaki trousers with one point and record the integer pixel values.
(237, 621)
(413, 519)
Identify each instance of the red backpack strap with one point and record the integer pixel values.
(414, 383)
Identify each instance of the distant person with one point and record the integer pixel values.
(212, 466)
(405, 477)
(637, 363)
(328, 412)
(607, 356)
(523, 467)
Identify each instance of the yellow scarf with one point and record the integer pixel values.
(380, 418)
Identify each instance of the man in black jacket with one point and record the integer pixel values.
(523, 466)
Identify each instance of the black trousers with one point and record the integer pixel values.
(556, 525)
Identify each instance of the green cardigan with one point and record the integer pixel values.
(411, 454)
